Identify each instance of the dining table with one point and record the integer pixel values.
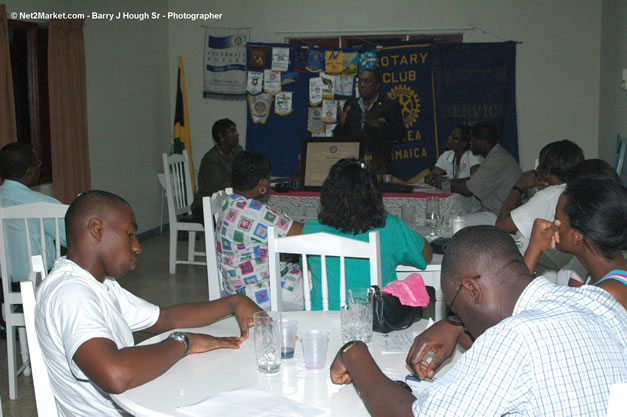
(226, 382)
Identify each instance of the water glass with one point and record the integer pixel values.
(288, 338)
(446, 185)
(268, 341)
(315, 348)
(432, 214)
(356, 317)
(408, 215)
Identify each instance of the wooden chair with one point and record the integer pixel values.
(21, 223)
(211, 208)
(179, 193)
(323, 245)
(46, 404)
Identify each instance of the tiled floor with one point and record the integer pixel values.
(150, 281)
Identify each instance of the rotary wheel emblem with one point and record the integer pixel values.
(410, 102)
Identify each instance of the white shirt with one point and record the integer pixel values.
(446, 162)
(72, 308)
(557, 355)
(540, 206)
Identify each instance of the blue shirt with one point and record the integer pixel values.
(13, 193)
(399, 245)
(557, 355)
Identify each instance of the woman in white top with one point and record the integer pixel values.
(458, 161)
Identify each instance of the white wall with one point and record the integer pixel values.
(613, 105)
(557, 63)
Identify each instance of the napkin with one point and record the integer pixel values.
(250, 401)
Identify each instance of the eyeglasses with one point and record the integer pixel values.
(452, 317)
(366, 81)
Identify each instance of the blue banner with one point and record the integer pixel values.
(406, 75)
(474, 82)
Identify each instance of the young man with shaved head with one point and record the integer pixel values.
(539, 349)
(85, 320)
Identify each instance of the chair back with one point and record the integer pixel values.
(323, 245)
(211, 209)
(178, 185)
(46, 404)
(25, 230)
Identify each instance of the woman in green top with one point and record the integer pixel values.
(351, 205)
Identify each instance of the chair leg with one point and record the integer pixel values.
(191, 246)
(12, 362)
(21, 331)
(173, 241)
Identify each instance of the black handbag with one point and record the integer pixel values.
(389, 314)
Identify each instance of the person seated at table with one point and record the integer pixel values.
(242, 236)
(85, 320)
(556, 164)
(351, 205)
(215, 167)
(591, 223)
(540, 349)
(492, 182)
(458, 161)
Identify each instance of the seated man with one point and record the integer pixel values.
(556, 162)
(85, 320)
(19, 167)
(215, 167)
(492, 182)
(539, 349)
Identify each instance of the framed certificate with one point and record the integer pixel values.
(319, 155)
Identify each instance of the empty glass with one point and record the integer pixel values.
(268, 341)
(432, 214)
(356, 317)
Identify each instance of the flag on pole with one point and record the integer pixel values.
(182, 137)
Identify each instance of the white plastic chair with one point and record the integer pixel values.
(28, 214)
(211, 208)
(179, 193)
(322, 244)
(46, 404)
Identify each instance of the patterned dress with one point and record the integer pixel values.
(242, 246)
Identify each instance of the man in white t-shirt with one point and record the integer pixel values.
(458, 161)
(85, 320)
(556, 162)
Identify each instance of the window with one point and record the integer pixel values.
(28, 44)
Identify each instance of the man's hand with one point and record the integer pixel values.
(529, 179)
(343, 113)
(339, 373)
(441, 339)
(199, 343)
(244, 308)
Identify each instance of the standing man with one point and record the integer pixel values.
(493, 181)
(215, 167)
(373, 120)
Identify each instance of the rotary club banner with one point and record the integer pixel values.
(259, 107)
(329, 111)
(333, 62)
(225, 63)
(271, 81)
(283, 103)
(406, 76)
(255, 82)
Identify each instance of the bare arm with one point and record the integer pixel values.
(460, 187)
(527, 180)
(116, 370)
(382, 396)
(296, 229)
(474, 168)
(543, 236)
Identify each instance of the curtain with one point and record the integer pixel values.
(71, 173)
(7, 101)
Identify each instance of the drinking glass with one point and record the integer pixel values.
(432, 214)
(356, 317)
(268, 341)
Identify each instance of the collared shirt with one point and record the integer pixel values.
(365, 110)
(494, 179)
(557, 355)
(13, 193)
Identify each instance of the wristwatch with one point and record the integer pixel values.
(181, 337)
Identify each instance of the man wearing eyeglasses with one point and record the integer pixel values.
(373, 120)
(539, 349)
